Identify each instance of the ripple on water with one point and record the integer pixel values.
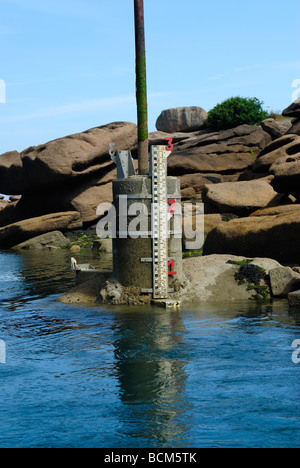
(215, 375)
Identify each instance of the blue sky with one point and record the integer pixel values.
(69, 65)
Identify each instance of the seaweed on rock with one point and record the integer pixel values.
(252, 275)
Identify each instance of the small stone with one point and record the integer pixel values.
(272, 128)
(295, 128)
(283, 281)
(75, 248)
(294, 298)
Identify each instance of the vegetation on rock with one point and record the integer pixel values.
(192, 253)
(236, 111)
(252, 275)
(84, 241)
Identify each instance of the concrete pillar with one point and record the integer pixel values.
(127, 252)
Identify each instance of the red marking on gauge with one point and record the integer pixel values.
(172, 265)
(172, 202)
(170, 146)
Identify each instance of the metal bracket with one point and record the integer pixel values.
(150, 290)
(124, 162)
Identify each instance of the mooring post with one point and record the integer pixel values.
(149, 259)
(141, 88)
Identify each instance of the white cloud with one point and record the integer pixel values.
(116, 71)
(101, 104)
(28, 83)
(219, 76)
(293, 64)
(248, 67)
(77, 107)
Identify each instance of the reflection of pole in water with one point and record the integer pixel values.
(149, 374)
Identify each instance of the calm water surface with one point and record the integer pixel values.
(215, 375)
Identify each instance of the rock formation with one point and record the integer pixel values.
(241, 198)
(182, 119)
(248, 177)
(271, 234)
(72, 159)
(294, 111)
(69, 174)
(210, 278)
(224, 152)
(21, 231)
(276, 129)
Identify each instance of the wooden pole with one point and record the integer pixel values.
(141, 88)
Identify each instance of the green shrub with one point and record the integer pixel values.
(84, 241)
(236, 111)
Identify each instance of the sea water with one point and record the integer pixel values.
(211, 375)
